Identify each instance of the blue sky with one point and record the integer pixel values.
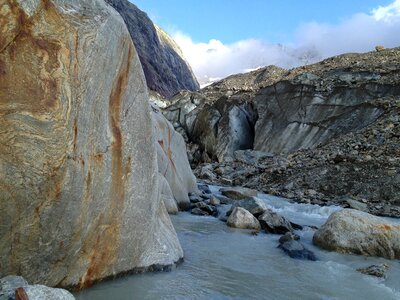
(232, 20)
(223, 37)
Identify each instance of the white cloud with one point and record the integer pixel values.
(387, 13)
(314, 41)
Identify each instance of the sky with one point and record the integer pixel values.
(223, 37)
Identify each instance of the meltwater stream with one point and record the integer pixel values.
(225, 263)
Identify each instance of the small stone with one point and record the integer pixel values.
(205, 207)
(288, 236)
(375, 270)
(214, 201)
(357, 205)
(195, 199)
(204, 188)
(199, 212)
(226, 181)
(379, 48)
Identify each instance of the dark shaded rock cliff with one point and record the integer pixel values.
(164, 67)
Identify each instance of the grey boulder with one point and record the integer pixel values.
(243, 219)
(356, 232)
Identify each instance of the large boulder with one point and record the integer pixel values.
(165, 68)
(172, 160)
(79, 199)
(353, 231)
(243, 219)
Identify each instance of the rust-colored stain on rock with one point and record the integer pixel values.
(37, 92)
(20, 294)
(388, 227)
(103, 253)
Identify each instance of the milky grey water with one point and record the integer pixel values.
(225, 263)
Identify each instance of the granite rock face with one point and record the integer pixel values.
(165, 69)
(172, 160)
(353, 231)
(79, 197)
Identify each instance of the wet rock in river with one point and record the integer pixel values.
(241, 218)
(296, 250)
(288, 236)
(375, 270)
(252, 204)
(271, 222)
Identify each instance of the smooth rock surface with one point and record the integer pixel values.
(79, 199)
(167, 195)
(172, 160)
(353, 231)
(163, 63)
(243, 219)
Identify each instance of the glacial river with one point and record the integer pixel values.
(225, 263)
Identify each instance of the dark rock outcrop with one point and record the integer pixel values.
(165, 69)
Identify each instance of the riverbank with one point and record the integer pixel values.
(226, 263)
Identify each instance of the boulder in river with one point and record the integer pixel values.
(238, 193)
(353, 231)
(243, 219)
(375, 270)
(252, 204)
(295, 249)
(271, 222)
(288, 236)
